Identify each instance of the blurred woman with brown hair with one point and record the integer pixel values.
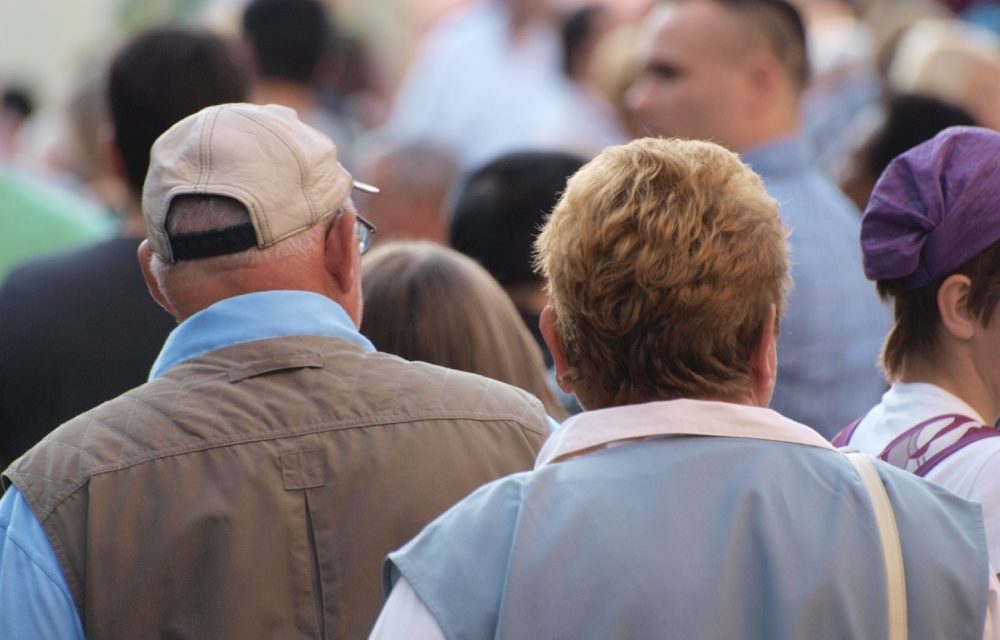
(426, 302)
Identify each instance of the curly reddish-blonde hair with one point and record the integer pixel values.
(663, 258)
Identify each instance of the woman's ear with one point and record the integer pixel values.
(547, 323)
(764, 360)
(953, 305)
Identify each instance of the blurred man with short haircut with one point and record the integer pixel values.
(733, 72)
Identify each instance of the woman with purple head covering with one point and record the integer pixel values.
(931, 242)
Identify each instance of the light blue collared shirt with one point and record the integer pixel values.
(35, 600)
(831, 336)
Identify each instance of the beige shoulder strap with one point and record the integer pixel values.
(888, 534)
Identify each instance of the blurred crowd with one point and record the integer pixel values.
(487, 84)
(459, 148)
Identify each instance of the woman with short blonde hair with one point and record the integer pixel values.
(637, 325)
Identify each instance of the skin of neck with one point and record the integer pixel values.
(331, 268)
(951, 366)
(783, 122)
(291, 94)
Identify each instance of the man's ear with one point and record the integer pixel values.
(341, 255)
(764, 360)
(145, 263)
(547, 323)
(763, 77)
(953, 305)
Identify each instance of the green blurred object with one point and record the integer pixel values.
(135, 15)
(38, 218)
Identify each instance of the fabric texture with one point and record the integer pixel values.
(832, 333)
(932, 209)
(76, 329)
(351, 453)
(652, 532)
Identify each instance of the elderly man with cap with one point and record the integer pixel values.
(252, 487)
(678, 505)
(931, 241)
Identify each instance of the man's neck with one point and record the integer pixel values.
(954, 371)
(290, 94)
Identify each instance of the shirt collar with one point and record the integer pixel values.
(605, 427)
(909, 398)
(787, 154)
(256, 316)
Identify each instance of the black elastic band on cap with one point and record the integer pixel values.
(206, 244)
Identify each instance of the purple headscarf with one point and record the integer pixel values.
(934, 208)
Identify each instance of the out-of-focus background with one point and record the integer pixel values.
(469, 114)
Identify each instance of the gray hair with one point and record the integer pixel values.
(196, 213)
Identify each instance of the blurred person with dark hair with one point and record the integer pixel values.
(37, 217)
(430, 303)
(352, 81)
(910, 119)
(253, 486)
(496, 215)
(286, 41)
(80, 328)
(733, 72)
(16, 107)
(932, 245)
(414, 181)
(678, 505)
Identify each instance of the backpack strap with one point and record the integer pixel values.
(922, 447)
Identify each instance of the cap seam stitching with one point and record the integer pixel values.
(301, 166)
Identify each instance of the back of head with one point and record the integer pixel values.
(426, 302)
(782, 27)
(663, 259)
(238, 186)
(415, 179)
(500, 208)
(288, 37)
(160, 77)
(911, 118)
(932, 215)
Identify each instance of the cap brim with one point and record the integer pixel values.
(364, 186)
